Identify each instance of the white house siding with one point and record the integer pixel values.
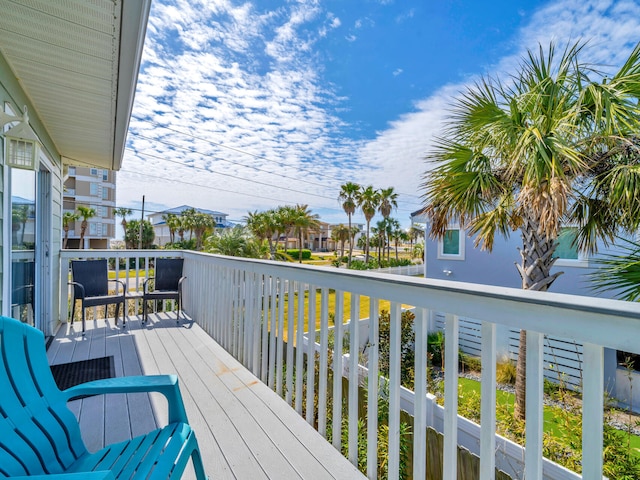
(11, 93)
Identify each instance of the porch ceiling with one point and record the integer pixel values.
(78, 63)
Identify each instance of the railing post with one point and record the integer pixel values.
(420, 405)
(488, 402)
(290, 341)
(273, 329)
(324, 358)
(311, 355)
(354, 351)
(337, 372)
(280, 346)
(300, 349)
(372, 393)
(395, 360)
(592, 411)
(535, 420)
(450, 466)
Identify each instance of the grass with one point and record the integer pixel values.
(364, 308)
(553, 419)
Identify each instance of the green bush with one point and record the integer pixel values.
(295, 253)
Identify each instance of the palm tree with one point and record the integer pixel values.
(619, 272)
(188, 218)
(284, 218)
(303, 222)
(85, 213)
(202, 223)
(263, 226)
(388, 202)
(19, 218)
(172, 223)
(340, 234)
(123, 212)
(368, 200)
(67, 219)
(414, 233)
(557, 144)
(348, 197)
(380, 231)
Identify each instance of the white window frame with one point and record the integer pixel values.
(461, 245)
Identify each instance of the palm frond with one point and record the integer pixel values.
(619, 273)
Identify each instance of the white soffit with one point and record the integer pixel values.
(77, 61)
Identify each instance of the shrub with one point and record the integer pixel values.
(506, 372)
(295, 253)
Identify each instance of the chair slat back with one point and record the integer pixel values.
(38, 433)
(93, 275)
(167, 273)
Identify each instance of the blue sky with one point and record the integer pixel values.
(245, 106)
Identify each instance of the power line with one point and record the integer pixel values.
(244, 152)
(208, 187)
(192, 150)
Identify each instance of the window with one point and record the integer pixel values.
(567, 248)
(72, 171)
(451, 245)
(105, 193)
(94, 172)
(95, 190)
(105, 175)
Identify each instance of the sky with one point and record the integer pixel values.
(248, 105)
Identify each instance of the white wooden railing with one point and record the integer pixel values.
(239, 301)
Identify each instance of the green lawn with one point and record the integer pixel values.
(552, 418)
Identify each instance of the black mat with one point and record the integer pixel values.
(70, 374)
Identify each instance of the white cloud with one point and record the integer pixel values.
(228, 75)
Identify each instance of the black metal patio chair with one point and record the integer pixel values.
(91, 287)
(166, 284)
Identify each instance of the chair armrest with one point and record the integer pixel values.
(80, 286)
(124, 285)
(104, 475)
(144, 284)
(167, 385)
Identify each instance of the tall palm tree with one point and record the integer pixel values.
(188, 217)
(85, 213)
(67, 219)
(173, 223)
(340, 234)
(284, 218)
(123, 212)
(303, 221)
(201, 223)
(263, 226)
(414, 233)
(557, 144)
(368, 200)
(348, 198)
(388, 202)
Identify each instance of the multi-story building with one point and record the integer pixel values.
(95, 188)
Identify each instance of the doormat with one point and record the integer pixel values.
(70, 374)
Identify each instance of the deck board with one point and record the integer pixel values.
(244, 429)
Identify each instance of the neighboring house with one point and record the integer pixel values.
(75, 70)
(95, 188)
(319, 240)
(161, 230)
(455, 257)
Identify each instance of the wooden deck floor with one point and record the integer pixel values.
(244, 429)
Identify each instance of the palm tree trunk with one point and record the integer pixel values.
(350, 243)
(535, 271)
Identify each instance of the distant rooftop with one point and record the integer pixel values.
(182, 208)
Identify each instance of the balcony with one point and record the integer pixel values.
(256, 384)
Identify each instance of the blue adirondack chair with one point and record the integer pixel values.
(40, 437)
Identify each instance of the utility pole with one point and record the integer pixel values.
(141, 222)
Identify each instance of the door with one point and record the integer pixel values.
(22, 184)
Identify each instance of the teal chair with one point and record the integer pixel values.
(40, 437)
